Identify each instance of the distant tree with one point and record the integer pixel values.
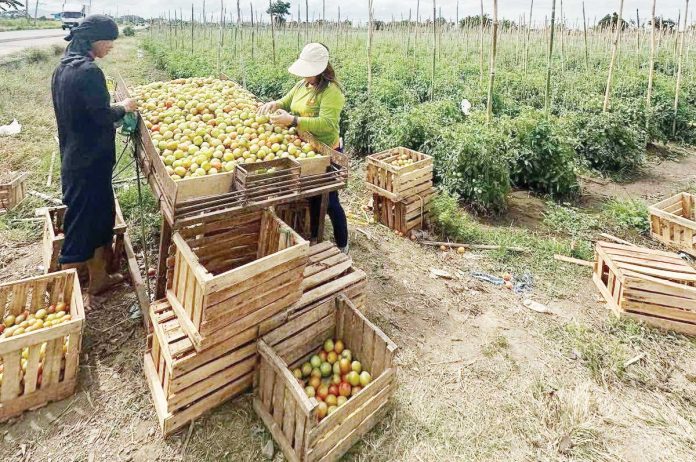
(279, 9)
(610, 21)
(475, 21)
(10, 4)
(664, 23)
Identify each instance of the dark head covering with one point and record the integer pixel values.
(93, 28)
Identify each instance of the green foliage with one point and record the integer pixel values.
(37, 55)
(128, 31)
(366, 126)
(569, 220)
(453, 223)
(471, 161)
(544, 160)
(627, 214)
(609, 143)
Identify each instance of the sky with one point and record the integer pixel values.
(356, 10)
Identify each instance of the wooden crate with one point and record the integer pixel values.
(54, 377)
(290, 415)
(673, 222)
(397, 183)
(13, 192)
(260, 184)
(406, 215)
(185, 383)
(297, 216)
(53, 237)
(648, 285)
(231, 274)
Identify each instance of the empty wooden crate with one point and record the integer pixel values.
(185, 383)
(672, 222)
(281, 402)
(13, 191)
(54, 235)
(40, 366)
(405, 215)
(267, 179)
(389, 179)
(648, 285)
(233, 273)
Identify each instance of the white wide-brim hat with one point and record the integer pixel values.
(312, 61)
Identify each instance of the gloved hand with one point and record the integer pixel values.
(268, 108)
(129, 104)
(281, 118)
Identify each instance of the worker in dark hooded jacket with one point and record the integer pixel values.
(87, 134)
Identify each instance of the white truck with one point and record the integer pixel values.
(72, 15)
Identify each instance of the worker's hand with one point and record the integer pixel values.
(129, 104)
(268, 108)
(281, 118)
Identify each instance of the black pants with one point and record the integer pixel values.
(89, 218)
(336, 214)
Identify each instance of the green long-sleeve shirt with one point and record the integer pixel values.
(319, 113)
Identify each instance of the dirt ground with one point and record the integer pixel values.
(481, 377)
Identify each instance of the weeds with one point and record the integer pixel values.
(625, 215)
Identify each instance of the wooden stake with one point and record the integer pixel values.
(481, 47)
(369, 47)
(529, 32)
(679, 67)
(494, 39)
(651, 72)
(584, 29)
(614, 52)
(547, 92)
(273, 44)
(432, 82)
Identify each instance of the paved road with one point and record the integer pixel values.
(14, 41)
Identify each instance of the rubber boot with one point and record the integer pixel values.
(99, 278)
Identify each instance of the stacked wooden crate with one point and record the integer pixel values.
(229, 279)
(40, 366)
(672, 222)
(652, 286)
(401, 181)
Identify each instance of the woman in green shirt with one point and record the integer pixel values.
(314, 105)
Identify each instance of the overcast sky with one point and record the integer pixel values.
(356, 10)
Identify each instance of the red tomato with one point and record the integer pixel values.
(344, 389)
(333, 390)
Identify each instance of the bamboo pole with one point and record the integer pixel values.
(651, 71)
(529, 32)
(192, 21)
(481, 47)
(307, 20)
(561, 30)
(614, 52)
(681, 34)
(494, 41)
(273, 43)
(415, 39)
(369, 47)
(584, 30)
(219, 48)
(432, 84)
(408, 34)
(253, 32)
(547, 92)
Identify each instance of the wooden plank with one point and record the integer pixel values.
(279, 367)
(192, 393)
(9, 388)
(276, 431)
(673, 218)
(299, 323)
(659, 298)
(289, 415)
(207, 370)
(278, 401)
(665, 324)
(37, 399)
(667, 312)
(681, 267)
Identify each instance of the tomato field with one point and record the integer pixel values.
(419, 76)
